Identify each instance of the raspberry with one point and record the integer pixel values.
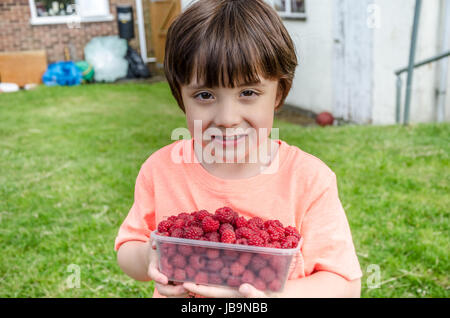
(225, 215)
(200, 215)
(201, 278)
(272, 223)
(290, 230)
(178, 261)
(228, 236)
(196, 261)
(255, 223)
(225, 273)
(289, 242)
(244, 232)
(214, 265)
(248, 277)
(168, 249)
(176, 232)
(209, 224)
(164, 226)
(212, 253)
(256, 240)
(165, 264)
(278, 264)
(237, 269)
(276, 233)
(259, 284)
(245, 258)
(185, 250)
(213, 236)
(226, 226)
(199, 249)
(183, 215)
(190, 221)
(230, 255)
(275, 285)
(179, 223)
(233, 281)
(240, 222)
(276, 244)
(193, 233)
(258, 263)
(278, 223)
(172, 218)
(167, 271)
(267, 274)
(215, 278)
(264, 235)
(242, 241)
(179, 274)
(190, 271)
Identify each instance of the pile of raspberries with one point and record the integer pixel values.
(205, 265)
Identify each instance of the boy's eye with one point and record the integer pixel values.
(248, 93)
(203, 95)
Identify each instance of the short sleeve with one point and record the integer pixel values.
(328, 244)
(140, 221)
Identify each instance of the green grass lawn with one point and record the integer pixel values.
(70, 157)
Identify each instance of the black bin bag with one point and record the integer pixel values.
(136, 66)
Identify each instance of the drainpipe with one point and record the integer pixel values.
(412, 54)
(141, 29)
(443, 64)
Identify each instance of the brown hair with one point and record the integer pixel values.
(229, 43)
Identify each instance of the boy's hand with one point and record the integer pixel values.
(161, 280)
(244, 291)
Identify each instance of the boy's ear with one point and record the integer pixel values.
(278, 99)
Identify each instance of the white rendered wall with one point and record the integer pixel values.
(312, 88)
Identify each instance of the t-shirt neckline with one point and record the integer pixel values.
(217, 184)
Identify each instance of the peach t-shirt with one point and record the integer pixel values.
(298, 189)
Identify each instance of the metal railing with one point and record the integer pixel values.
(412, 65)
(399, 72)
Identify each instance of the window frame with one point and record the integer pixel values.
(75, 18)
(288, 14)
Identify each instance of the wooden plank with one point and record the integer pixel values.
(25, 67)
(162, 14)
(353, 62)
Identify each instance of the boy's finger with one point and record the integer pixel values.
(249, 291)
(156, 275)
(212, 291)
(171, 291)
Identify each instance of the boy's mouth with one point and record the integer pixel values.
(228, 140)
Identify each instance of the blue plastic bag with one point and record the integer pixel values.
(62, 73)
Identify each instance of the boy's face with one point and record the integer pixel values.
(241, 111)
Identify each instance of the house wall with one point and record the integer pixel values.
(312, 88)
(17, 34)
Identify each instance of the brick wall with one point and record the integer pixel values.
(17, 34)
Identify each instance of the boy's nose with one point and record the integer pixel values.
(227, 116)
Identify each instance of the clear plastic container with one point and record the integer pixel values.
(222, 264)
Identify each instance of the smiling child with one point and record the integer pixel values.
(230, 65)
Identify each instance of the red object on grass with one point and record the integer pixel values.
(325, 119)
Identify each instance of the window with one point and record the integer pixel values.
(289, 8)
(69, 11)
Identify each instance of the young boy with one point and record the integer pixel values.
(230, 65)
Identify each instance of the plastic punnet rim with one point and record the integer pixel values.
(228, 246)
